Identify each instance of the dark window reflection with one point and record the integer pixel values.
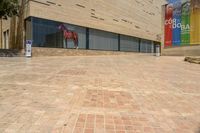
(46, 34)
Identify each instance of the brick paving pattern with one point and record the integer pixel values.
(133, 93)
(109, 99)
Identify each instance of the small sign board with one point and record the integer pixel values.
(28, 48)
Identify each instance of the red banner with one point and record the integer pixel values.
(168, 25)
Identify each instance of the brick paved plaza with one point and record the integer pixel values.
(102, 94)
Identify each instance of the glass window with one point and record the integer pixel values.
(46, 33)
(128, 43)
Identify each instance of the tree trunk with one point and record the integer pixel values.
(20, 27)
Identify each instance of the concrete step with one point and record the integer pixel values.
(11, 53)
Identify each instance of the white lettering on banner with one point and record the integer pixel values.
(175, 24)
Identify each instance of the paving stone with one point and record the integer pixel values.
(99, 94)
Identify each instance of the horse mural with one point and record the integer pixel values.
(69, 35)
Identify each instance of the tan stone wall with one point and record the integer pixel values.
(5, 27)
(38, 52)
(140, 18)
(134, 18)
(182, 51)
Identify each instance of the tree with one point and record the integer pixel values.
(20, 26)
(8, 8)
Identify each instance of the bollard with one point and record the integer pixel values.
(28, 48)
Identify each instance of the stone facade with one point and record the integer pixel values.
(142, 19)
(131, 18)
(182, 51)
(38, 52)
(4, 30)
(135, 18)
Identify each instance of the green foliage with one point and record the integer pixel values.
(8, 8)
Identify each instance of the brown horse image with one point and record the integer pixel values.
(69, 35)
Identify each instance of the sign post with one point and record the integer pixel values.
(28, 48)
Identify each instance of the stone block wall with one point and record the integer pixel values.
(182, 51)
(37, 52)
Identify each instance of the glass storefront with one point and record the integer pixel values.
(46, 33)
(102, 40)
(52, 34)
(129, 43)
(146, 46)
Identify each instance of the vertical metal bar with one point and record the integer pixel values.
(154, 46)
(119, 42)
(139, 42)
(87, 38)
(32, 30)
